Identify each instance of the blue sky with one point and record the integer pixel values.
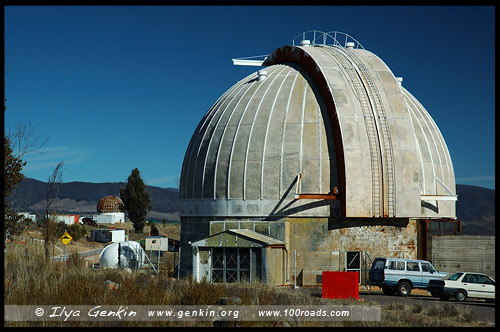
(115, 88)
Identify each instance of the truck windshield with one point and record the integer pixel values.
(426, 267)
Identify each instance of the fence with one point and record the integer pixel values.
(63, 258)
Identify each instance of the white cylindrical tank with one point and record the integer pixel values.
(122, 254)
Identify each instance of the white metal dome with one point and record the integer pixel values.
(122, 254)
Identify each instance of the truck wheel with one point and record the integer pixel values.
(461, 295)
(404, 288)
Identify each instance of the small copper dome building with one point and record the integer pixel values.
(109, 204)
(109, 210)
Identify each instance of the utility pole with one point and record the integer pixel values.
(159, 248)
(179, 267)
(295, 268)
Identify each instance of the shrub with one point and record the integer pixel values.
(154, 230)
(416, 308)
(75, 260)
(77, 232)
(450, 310)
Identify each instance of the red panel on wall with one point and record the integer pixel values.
(340, 285)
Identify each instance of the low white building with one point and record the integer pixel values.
(109, 218)
(160, 243)
(109, 211)
(27, 215)
(68, 219)
(156, 243)
(108, 235)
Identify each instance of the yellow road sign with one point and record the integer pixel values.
(65, 238)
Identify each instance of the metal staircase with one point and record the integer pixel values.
(370, 124)
(385, 137)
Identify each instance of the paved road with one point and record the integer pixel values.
(482, 310)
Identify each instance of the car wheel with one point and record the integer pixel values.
(388, 290)
(461, 295)
(404, 288)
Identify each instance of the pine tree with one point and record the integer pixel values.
(136, 201)
(12, 177)
(154, 230)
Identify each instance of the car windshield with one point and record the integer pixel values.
(454, 277)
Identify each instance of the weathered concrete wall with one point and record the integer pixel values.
(315, 244)
(192, 229)
(321, 244)
(275, 266)
(202, 264)
(464, 253)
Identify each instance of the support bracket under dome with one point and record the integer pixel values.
(333, 195)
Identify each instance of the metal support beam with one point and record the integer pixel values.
(438, 197)
(317, 196)
(239, 62)
(256, 60)
(298, 195)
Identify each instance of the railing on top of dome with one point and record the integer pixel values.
(315, 37)
(335, 38)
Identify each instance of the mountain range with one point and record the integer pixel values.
(82, 197)
(475, 206)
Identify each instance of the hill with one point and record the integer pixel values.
(82, 198)
(475, 206)
(476, 210)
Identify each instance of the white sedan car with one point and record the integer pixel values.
(462, 285)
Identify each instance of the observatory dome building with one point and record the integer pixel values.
(319, 160)
(110, 210)
(109, 204)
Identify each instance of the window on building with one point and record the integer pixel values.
(236, 264)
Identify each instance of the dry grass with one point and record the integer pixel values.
(29, 280)
(447, 315)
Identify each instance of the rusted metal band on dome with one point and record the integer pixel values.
(298, 56)
(110, 204)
